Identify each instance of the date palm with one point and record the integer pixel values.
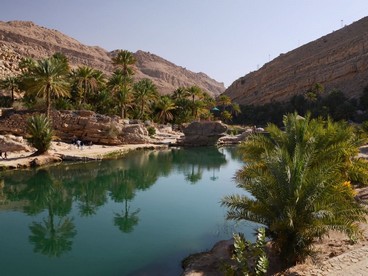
(47, 78)
(194, 92)
(121, 86)
(145, 92)
(299, 184)
(87, 81)
(10, 83)
(223, 101)
(180, 93)
(165, 106)
(39, 133)
(125, 61)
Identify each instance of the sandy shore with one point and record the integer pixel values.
(60, 151)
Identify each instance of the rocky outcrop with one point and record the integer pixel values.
(84, 125)
(13, 143)
(338, 61)
(211, 262)
(204, 133)
(25, 39)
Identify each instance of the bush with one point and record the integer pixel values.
(151, 131)
(250, 259)
(40, 133)
(300, 181)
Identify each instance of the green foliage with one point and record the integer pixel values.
(40, 133)
(121, 86)
(145, 93)
(5, 101)
(124, 60)
(315, 100)
(10, 83)
(47, 78)
(250, 259)
(164, 108)
(299, 180)
(151, 130)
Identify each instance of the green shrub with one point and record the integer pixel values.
(300, 181)
(151, 131)
(40, 133)
(250, 259)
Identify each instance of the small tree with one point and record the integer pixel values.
(299, 179)
(40, 133)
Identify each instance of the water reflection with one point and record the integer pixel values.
(53, 236)
(123, 189)
(51, 192)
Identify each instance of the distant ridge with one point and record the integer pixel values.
(338, 60)
(26, 39)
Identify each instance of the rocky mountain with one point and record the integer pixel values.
(25, 39)
(338, 60)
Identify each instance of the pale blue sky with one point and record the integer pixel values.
(225, 39)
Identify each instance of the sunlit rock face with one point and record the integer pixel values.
(204, 133)
(338, 60)
(20, 39)
(84, 125)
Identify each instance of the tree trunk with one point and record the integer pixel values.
(48, 101)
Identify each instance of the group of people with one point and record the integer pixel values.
(3, 155)
(79, 143)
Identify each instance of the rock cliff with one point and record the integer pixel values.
(338, 60)
(25, 39)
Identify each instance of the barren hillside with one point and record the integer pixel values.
(25, 39)
(338, 60)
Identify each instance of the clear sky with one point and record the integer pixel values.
(225, 39)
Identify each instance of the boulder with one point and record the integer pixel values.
(9, 143)
(209, 263)
(134, 134)
(204, 133)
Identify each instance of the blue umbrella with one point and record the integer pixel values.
(215, 109)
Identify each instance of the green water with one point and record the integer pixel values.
(140, 215)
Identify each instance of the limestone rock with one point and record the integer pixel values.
(86, 126)
(134, 134)
(204, 133)
(9, 143)
(44, 159)
(338, 60)
(209, 263)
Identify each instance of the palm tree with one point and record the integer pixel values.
(164, 107)
(223, 101)
(47, 78)
(87, 81)
(121, 86)
(193, 92)
(299, 182)
(180, 93)
(125, 60)
(145, 92)
(53, 236)
(10, 83)
(40, 133)
(123, 190)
